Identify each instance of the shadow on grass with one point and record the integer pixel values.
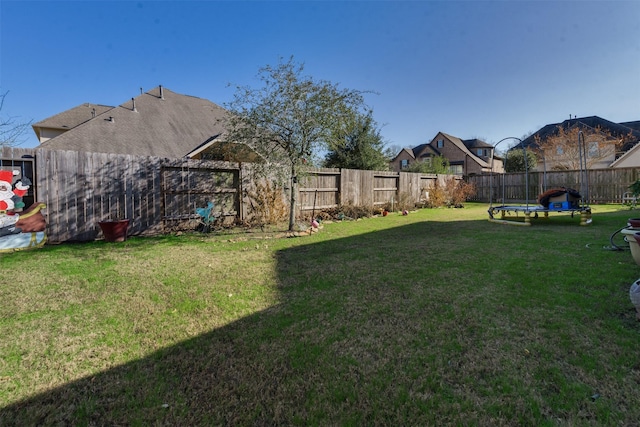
(363, 334)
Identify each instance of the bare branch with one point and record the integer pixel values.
(12, 131)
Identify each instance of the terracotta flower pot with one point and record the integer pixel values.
(114, 231)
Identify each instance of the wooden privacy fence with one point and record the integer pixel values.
(329, 188)
(80, 189)
(157, 194)
(600, 185)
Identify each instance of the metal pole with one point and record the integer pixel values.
(526, 167)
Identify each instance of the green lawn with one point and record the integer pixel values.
(435, 318)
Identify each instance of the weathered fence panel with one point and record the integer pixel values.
(320, 189)
(335, 187)
(385, 187)
(356, 187)
(597, 185)
(412, 185)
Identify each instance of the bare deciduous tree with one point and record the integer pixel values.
(11, 130)
(561, 151)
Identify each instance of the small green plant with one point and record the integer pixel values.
(635, 188)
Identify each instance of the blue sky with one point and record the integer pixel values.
(473, 69)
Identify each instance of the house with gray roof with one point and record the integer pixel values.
(466, 157)
(158, 123)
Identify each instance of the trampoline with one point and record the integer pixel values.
(558, 199)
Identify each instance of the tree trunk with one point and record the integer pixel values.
(294, 196)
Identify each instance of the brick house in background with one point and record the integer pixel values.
(466, 157)
(627, 155)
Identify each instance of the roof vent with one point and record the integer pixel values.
(111, 119)
(133, 101)
(161, 92)
(93, 113)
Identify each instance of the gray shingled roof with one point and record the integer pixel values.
(424, 150)
(632, 125)
(593, 122)
(169, 126)
(73, 117)
(476, 143)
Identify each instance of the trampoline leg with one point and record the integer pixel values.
(502, 214)
(546, 215)
(527, 218)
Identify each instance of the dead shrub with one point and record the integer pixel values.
(452, 193)
(460, 191)
(437, 195)
(268, 205)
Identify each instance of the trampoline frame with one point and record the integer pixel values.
(528, 210)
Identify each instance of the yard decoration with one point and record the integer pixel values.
(19, 230)
(10, 197)
(26, 230)
(207, 217)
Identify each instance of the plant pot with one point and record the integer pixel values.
(634, 296)
(631, 238)
(114, 231)
(634, 222)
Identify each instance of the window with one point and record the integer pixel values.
(440, 143)
(593, 149)
(482, 152)
(404, 163)
(456, 169)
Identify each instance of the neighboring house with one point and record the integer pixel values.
(627, 155)
(466, 157)
(157, 123)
